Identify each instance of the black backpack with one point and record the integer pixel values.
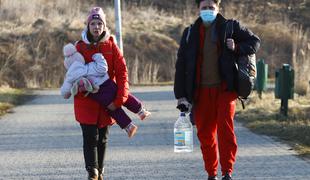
(245, 69)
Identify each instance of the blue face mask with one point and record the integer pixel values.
(208, 16)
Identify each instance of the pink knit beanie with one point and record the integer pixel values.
(96, 13)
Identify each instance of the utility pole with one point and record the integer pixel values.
(118, 24)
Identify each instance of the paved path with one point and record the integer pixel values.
(41, 140)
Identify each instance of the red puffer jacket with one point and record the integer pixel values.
(88, 111)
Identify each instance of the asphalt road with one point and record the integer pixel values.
(41, 140)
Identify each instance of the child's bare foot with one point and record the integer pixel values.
(143, 113)
(131, 130)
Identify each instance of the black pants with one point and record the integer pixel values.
(94, 145)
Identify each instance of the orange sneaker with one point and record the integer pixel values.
(131, 130)
(143, 113)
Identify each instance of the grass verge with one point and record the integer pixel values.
(10, 97)
(262, 116)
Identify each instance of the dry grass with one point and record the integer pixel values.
(36, 37)
(151, 37)
(19, 16)
(30, 10)
(9, 97)
(34, 31)
(263, 116)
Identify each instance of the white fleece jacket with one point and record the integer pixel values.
(96, 72)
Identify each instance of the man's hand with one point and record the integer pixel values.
(230, 43)
(184, 105)
(111, 106)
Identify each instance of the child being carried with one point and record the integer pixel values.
(93, 78)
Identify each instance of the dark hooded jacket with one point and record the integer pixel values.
(186, 65)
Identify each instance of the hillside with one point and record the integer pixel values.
(32, 35)
(266, 11)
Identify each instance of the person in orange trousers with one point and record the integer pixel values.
(205, 80)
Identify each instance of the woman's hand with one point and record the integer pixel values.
(111, 107)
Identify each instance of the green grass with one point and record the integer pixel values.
(10, 97)
(262, 116)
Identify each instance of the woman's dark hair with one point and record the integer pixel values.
(215, 1)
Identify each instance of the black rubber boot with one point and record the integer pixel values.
(92, 174)
(212, 178)
(227, 177)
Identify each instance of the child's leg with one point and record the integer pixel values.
(133, 104)
(120, 117)
(106, 95)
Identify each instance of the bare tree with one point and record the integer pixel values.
(301, 59)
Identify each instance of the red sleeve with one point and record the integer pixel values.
(121, 76)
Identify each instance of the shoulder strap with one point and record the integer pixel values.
(242, 102)
(188, 33)
(229, 30)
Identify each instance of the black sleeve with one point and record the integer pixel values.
(179, 79)
(246, 41)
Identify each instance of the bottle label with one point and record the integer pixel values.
(179, 138)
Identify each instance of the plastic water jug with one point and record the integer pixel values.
(183, 134)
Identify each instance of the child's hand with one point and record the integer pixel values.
(67, 95)
(111, 107)
(98, 57)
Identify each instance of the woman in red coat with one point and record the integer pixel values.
(94, 120)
